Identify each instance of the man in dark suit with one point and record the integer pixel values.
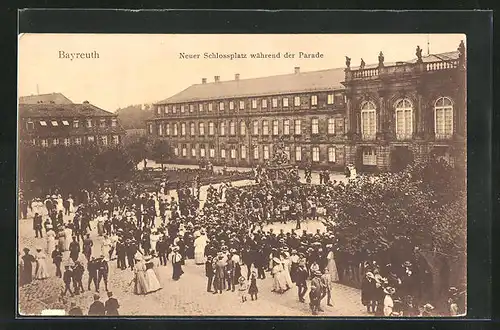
(37, 225)
(111, 306)
(102, 272)
(97, 307)
(209, 272)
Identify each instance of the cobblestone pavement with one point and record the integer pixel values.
(187, 296)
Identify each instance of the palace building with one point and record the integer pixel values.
(52, 119)
(377, 117)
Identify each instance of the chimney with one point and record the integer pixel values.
(216, 78)
(297, 69)
(203, 80)
(237, 76)
(85, 102)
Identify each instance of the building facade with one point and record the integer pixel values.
(50, 124)
(378, 117)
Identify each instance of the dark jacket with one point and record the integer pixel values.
(111, 306)
(96, 309)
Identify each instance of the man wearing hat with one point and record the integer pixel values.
(97, 307)
(92, 270)
(67, 277)
(209, 272)
(301, 281)
(78, 271)
(176, 263)
(37, 225)
(27, 273)
(315, 293)
(74, 249)
(75, 310)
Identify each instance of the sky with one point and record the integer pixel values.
(140, 68)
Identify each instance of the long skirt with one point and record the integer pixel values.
(140, 283)
(152, 283)
(177, 271)
(42, 271)
(332, 269)
(100, 228)
(279, 282)
(199, 256)
(51, 245)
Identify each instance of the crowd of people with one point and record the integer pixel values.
(144, 231)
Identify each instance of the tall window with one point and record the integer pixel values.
(183, 129)
(265, 127)
(287, 152)
(233, 152)
(243, 152)
(191, 108)
(404, 119)
(297, 127)
(221, 106)
(315, 154)
(89, 123)
(285, 102)
(158, 110)
(104, 140)
(255, 127)
(200, 107)
(90, 139)
(243, 128)
(184, 150)
(314, 100)
(45, 143)
(275, 102)
(116, 139)
(331, 154)
(314, 126)
(254, 104)
(211, 128)
(160, 129)
(167, 130)
(202, 129)
(76, 123)
(368, 120)
(231, 105)
(296, 101)
(176, 151)
(167, 109)
(175, 129)
(223, 153)
(275, 127)
(150, 128)
(242, 105)
(174, 108)
(193, 152)
(223, 128)
(264, 103)
(232, 128)
(443, 118)
(212, 151)
(286, 127)
(266, 152)
(298, 154)
(210, 106)
(202, 151)
(78, 140)
(369, 156)
(256, 152)
(102, 123)
(329, 99)
(182, 108)
(192, 129)
(66, 142)
(331, 125)
(113, 122)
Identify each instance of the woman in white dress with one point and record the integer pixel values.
(51, 242)
(287, 264)
(60, 204)
(200, 243)
(71, 204)
(152, 283)
(41, 272)
(100, 224)
(106, 247)
(279, 281)
(332, 266)
(153, 239)
(68, 233)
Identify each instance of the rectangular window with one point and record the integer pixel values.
(116, 139)
(167, 130)
(444, 122)
(264, 103)
(243, 128)
(54, 123)
(176, 151)
(91, 139)
(275, 127)
(193, 152)
(184, 151)
(33, 142)
(368, 124)
(298, 154)
(286, 127)
(210, 106)
(298, 127)
(233, 153)
(30, 125)
(369, 156)
(174, 108)
(182, 108)
(296, 101)
(287, 152)
(160, 129)
(212, 152)
(254, 104)
(175, 129)
(78, 140)
(211, 128)
(256, 152)
(89, 123)
(191, 108)
(43, 123)
(404, 124)
(65, 123)
(242, 105)
(150, 126)
(45, 143)
(285, 102)
(265, 127)
(104, 140)
(243, 152)
(202, 151)
(314, 126)
(331, 125)
(232, 128)
(331, 155)
(200, 107)
(113, 122)
(66, 142)
(266, 152)
(255, 127)
(222, 128)
(223, 153)
(76, 123)
(314, 100)
(183, 129)
(102, 123)
(221, 106)
(165, 108)
(315, 154)
(275, 102)
(329, 99)
(202, 129)
(192, 129)
(231, 105)
(158, 109)
(339, 98)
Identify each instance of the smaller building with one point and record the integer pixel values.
(48, 124)
(52, 98)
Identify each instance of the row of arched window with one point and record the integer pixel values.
(443, 119)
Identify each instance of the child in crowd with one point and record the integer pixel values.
(253, 290)
(242, 288)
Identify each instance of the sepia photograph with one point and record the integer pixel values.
(256, 175)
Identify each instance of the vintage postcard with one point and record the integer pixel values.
(242, 175)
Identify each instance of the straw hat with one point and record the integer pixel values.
(276, 260)
(389, 290)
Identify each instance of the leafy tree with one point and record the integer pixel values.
(161, 151)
